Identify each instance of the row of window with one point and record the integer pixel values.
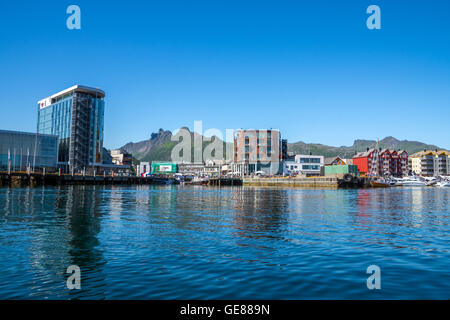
(304, 167)
(310, 167)
(309, 160)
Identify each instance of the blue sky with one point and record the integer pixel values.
(309, 68)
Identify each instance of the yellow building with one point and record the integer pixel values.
(430, 163)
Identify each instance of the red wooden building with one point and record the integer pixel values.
(384, 162)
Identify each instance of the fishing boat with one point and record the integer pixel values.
(199, 181)
(379, 184)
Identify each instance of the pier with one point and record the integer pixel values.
(22, 179)
(225, 182)
(319, 182)
(347, 181)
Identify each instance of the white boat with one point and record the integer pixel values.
(411, 182)
(443, 184)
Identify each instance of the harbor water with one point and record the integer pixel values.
(195, 242)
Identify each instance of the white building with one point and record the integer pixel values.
(308, 165)
(143, 167)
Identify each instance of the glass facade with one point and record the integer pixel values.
(22, 150)
(96, 130)
(76, 117)
(55, 119)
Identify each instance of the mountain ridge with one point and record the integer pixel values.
(159, 147)
(359, 145)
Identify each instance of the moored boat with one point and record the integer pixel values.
(379, 184)
(411, 182)
(443, 184)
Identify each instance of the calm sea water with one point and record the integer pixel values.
(177, 242)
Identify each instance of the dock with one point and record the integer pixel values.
(318, 182)
(225, 182)
(348, 181)
(22, 179)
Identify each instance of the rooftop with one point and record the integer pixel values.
(76, 88)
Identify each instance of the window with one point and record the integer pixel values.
(310, 167)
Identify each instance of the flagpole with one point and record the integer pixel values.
(34, 156)
(9, 160)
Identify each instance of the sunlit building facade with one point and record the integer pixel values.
(257, 151)
(23, 151)
(76, 116)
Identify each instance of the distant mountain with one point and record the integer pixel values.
(358, 146)
(159, 146)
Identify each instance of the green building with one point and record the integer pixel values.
(341, 169)
(164, 168)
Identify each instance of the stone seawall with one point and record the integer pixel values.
(319, 182)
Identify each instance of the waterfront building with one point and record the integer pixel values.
(290, 156)
(75, 115)
(107, 158)
(307, 165)
(291, 167)
(120, 157)
(335, 161)
(422, 163)
(284, 150)
(143, 168)
(227, 167)
(340, 170)
(367, 162)
(400, 157)
(310, 165)
(164, 167)
(430, 163)
(382, 162)
(213, 168)
(23, 151)
(109, 167)
(191, 169)
(441, 163)
(348, 161)
(258, 151)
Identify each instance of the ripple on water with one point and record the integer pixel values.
(177, 242)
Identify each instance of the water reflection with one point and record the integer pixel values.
(260, 213)
(404, 217)
(58, 228)
(192, 242)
